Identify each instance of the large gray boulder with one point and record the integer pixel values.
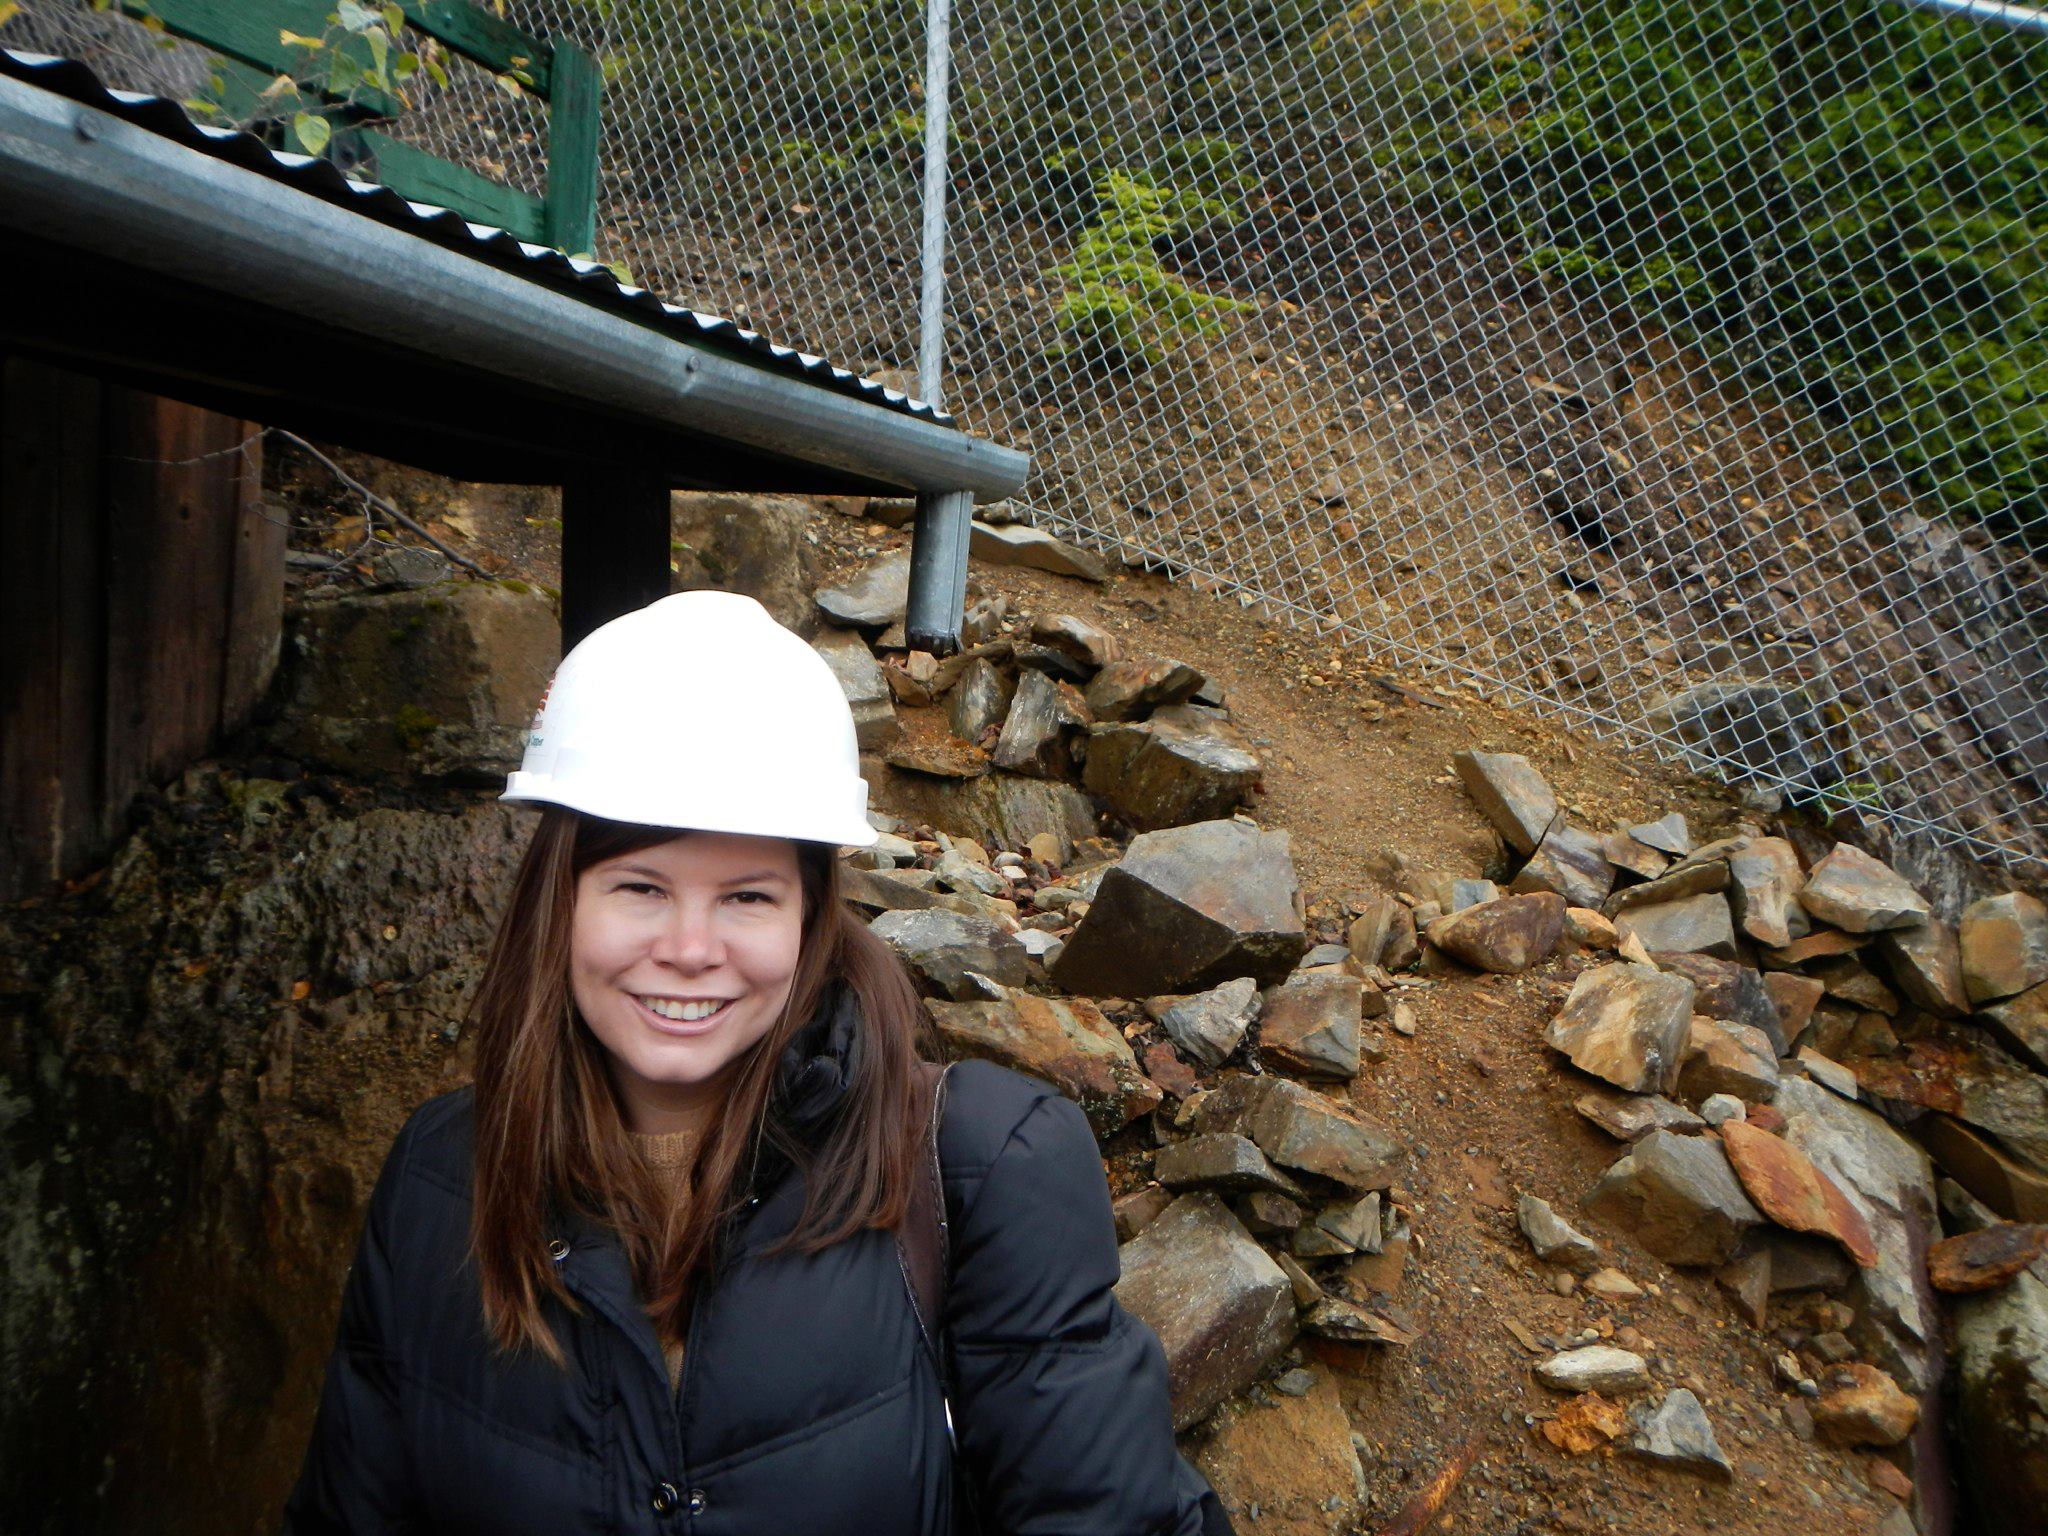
(1223, 1310)
(1188, 908)
(1677, 1196)
(1167, 773)
(753, 544)
(1628, 1025)
(947, 949)
(443, 682)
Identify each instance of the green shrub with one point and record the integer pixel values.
(1849, 204)
(1122, 308)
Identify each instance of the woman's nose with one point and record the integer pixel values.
(689, 941)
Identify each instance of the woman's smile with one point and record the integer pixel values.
(679, 1016)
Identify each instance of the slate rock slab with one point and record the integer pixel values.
(1627, 1024)
(1698, 924)
(1594, 1368)
(2020, 1024)
(1131, 690)
(1676, 1433)
(1222, 1160)
(1789, 1189)
(1864, 1406)
(1669, 834)
(1017, 544)
(1209, 1025)
(1301, 1129)
(943, 947)
(873, 597)
(1065, 1041)
(1309, 1025)
(1730, 1058)
(1856, 892)
(1188, 908)
(1764, 881)
(1223, 1310)
(1556, 1240)
(1987, 1258)
(1927, 964)
(1570, 861)
(866, 689)
(1511, 933)
(1678, 1197)
(1511, 793)
(981, 699)
(1043, 717)
(1632, 1116)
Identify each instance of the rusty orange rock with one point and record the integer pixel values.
(1584, 1424)
(1985, 1260)
(1789, 1189)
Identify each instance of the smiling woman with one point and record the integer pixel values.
(648, 1268)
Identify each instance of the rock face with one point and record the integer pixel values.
(1505, 935)
(1188, 908)
(945, 947)
(1160, 773)
(866, 689)
(2001, 1404)
(1858, 893)
(871, 599)
(1209, 1025)
(1677, 1196)
(1222, 1309)
(1511, 794)
(1285, 1460)
(1309, 1025)
(2004, 943)
(1675, 1433)
(1298, 1128)
(750, 544)
(1066, 1042)
(1627, 1024)
(442, 682)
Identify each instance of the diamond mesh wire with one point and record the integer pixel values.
(1677, 369)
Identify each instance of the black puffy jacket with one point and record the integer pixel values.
(808, 1404)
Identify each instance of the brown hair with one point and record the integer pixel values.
(551, 1134)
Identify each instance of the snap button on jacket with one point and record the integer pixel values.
(808, 1402)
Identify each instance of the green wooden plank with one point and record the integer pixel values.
(415, 174)
(573, 119)
(250, 34)
(478, 35)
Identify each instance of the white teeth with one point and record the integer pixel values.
(682, 1012)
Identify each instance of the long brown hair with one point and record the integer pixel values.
(551, 1134)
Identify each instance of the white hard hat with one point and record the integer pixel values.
(699, 711)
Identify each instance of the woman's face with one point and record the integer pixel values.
(680, 958)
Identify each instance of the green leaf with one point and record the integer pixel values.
(394, 20)
(357, 17)
(312, 131)
(438, 73)
(407, 65)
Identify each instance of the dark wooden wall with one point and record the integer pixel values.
(141, 600)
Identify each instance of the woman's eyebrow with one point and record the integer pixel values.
(758, 877)
(639, 869)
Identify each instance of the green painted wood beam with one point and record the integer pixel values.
(574, 117)
(251, 34)
(413, 173)
(478, 35)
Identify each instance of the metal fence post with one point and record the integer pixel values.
(938, 544)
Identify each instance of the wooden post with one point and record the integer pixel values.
(615, 548)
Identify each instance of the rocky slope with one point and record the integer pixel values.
(1507, 1135)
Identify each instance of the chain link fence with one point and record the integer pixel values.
(1678, 368)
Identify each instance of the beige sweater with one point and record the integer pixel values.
(669, 1156)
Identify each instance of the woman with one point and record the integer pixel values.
(644, 1275)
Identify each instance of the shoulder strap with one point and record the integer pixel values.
(921, 1242)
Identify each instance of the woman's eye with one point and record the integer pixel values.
(751, 898)
(641, 888)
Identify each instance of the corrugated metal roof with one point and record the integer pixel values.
(542, 264)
